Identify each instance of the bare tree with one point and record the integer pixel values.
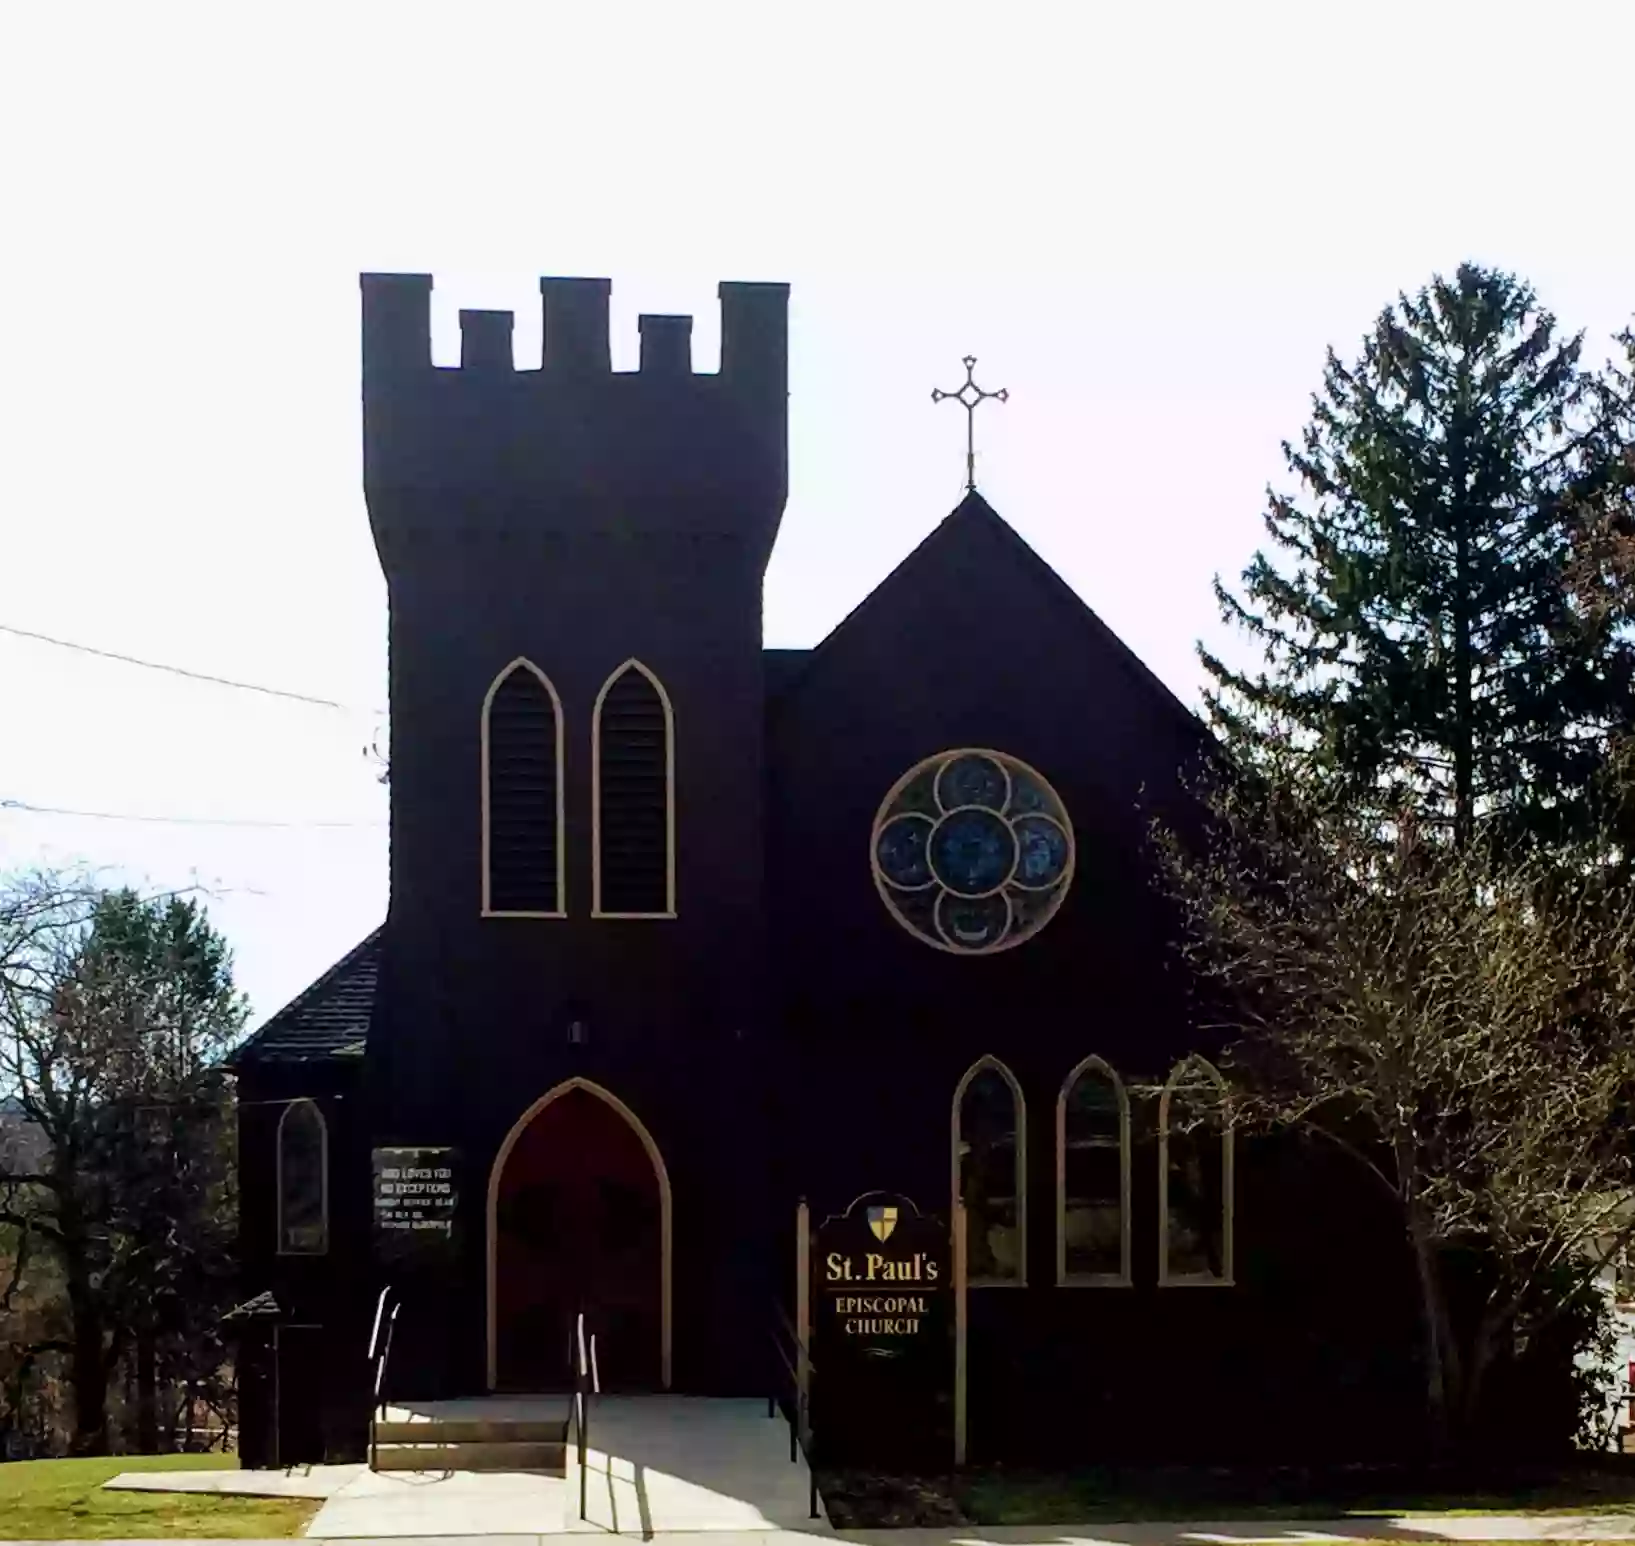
(41, 916)
(114, 1010)
(1463, 1026)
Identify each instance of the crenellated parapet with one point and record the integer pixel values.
(572, 446)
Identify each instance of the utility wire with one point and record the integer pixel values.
(196, 676)
(180, 821)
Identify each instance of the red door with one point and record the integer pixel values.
(578, 1223)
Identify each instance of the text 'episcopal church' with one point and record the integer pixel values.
(684, 930)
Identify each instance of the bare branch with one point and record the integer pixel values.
(1458, 1019)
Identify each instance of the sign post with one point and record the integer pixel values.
(960, 1329)
(803, 1320)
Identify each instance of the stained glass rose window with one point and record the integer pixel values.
(972, 851)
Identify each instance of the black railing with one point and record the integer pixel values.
(587, 1381)
(791, 1353)
(380, 1352)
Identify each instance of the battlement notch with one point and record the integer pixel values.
(574, 446)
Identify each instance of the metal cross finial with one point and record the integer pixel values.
(968, 397)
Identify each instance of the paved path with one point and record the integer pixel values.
(655, 1465)
(395, 1505)
(301, 1481)
(662, 1464)
(1420, 1527)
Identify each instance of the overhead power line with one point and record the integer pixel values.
(179, 821)
(196, 676)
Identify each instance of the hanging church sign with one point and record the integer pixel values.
(882, 1312)
(416, 1202)
(883, 1276)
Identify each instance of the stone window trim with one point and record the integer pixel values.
(1190, 1069)
(614, 677)
(522, 663)
(994, 815)
(305, 1105)
(666, 1212)
(1094, 1066)
(956, 1193)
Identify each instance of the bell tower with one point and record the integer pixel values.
(575, 519)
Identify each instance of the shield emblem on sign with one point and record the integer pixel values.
(882, 1221)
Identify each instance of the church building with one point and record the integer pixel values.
(684, 931)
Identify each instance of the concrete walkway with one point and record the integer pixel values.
(655, 1465)
(661, 1464)
(1260, 1532)
(672, 1468)
(397, 1505)
(301, 1481)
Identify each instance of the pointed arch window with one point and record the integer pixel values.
(633, 797)
(990, 1173)
(1195, 1177)
(1093, 1177)
(523, 848)
(303, 1180)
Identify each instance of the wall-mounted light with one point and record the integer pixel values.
(578, 1032)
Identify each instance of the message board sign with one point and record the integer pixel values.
(416, 1203)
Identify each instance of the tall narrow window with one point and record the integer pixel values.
(1195, 1177)
(303, 1180)
(633, 796)
(990, 1147)
(1093, 1177)
(523, 849)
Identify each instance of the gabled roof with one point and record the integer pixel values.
(264, 1307)
(975, 518)
(328, 1020)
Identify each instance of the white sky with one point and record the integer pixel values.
(1148, 221)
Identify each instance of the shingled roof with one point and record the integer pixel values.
(328, 1020)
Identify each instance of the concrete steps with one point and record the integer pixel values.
(471, 1444)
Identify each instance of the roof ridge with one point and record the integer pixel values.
(1143, 674)
(975, 507)
(314, 987)
(817, 650)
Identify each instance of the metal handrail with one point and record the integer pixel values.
(800, 1412)
(380, 1352)
(587, 1381)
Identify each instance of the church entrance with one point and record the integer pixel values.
(579, 1219)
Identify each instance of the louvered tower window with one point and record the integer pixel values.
(522, 795)
(634, 794)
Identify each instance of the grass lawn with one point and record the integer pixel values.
(995, 1495)
(63, 1500)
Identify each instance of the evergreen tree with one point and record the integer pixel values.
(1605, 567)
(1424, 646)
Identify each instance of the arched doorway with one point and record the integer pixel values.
(578, 1218)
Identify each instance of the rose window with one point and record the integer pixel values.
(972, 851)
